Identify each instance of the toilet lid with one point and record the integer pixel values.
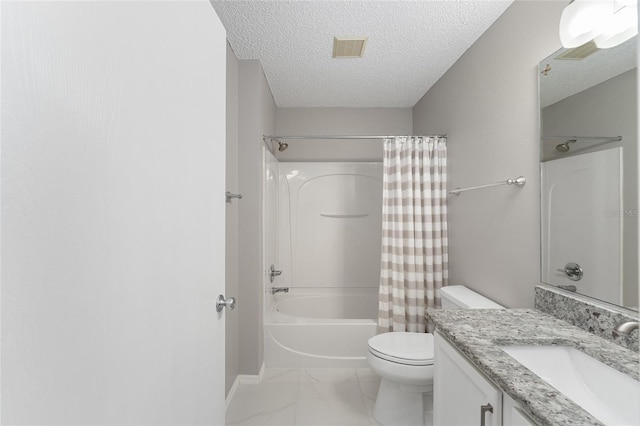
(403, 347)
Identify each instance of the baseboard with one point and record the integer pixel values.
(231, 393)
(252, 379)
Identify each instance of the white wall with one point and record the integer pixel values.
(487, 103)
(112, 208)
(257, 116)
(231, 232)
(339, 121)
(607, 109)
(271, 236)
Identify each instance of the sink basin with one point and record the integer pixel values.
(607, 394)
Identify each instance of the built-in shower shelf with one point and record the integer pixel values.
(344, 215)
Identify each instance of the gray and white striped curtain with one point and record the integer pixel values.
(414, 231)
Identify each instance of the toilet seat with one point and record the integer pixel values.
(403, 348)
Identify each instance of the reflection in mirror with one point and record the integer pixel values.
(589, 171)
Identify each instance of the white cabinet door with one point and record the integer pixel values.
(113, 170)
(512, 414)
(462, 395)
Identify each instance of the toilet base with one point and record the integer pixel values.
(402, 405)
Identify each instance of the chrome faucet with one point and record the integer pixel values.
(273, 273)
(626, 327)
(274, 290)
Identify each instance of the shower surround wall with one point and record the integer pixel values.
(330, 226)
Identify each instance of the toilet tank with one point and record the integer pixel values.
(460, 297)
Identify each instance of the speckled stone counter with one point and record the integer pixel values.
(599, 318)
(477, 334)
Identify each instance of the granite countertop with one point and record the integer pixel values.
(477, 334)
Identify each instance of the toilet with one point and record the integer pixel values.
(404, 362)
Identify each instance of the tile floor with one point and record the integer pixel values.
(312, 396)
(287, 397)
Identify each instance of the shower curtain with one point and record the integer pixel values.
(414, 231)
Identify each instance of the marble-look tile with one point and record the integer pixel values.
(291, 397)
(367, 375)
(374, 422)
(281, 375)
(369, 393)
(331, 403)
(284, 417)
(263, 404)
(328, 375)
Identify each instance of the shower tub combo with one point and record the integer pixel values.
(330, 222)
(327, 328)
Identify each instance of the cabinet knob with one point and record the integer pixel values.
(483, 410)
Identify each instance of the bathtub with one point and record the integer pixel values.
(320, 328)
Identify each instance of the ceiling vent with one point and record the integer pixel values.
(578, 53)
(349, 47)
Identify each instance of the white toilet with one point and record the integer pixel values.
(404, 361)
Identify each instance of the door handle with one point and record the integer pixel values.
(221, 303)
(573, 270)
(484, 409)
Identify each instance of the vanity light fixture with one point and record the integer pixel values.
(580, 21)
(619, 26)
(606, 22)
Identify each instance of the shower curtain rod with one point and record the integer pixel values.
(586, 138)
(265, 137)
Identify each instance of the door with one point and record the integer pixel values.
(113, 168)
(582, 222)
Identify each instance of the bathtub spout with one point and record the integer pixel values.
(274, 290)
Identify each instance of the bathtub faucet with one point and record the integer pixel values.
(273, 273)
(274, 290)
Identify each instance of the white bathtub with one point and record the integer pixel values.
(320, 328)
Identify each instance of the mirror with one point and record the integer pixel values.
(589, 171)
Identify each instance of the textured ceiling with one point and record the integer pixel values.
(411, 45)
(567, 78)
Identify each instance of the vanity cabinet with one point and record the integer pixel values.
(461, 394)
(464, 396)
(512, 414)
